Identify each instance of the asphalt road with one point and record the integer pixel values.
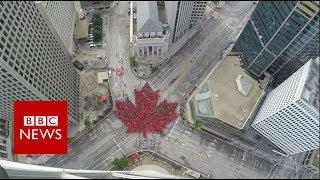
(201, 53)
(117, 40)
(192, 148)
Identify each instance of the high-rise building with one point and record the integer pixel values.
(34, 62)
(279, 38)
(182, 15)
(4, 134)
(289, 116)
(62, 16)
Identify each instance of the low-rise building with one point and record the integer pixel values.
(150, 37)
(102, 77)
(219, 103)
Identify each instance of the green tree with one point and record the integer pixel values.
(197, 123)
(97, 22)
(132, 60)
(87, 123)
(121, 163)
(96, 15)
(97, 35)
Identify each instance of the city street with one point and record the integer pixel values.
(116, 25)
(193, 149)
(200, 54)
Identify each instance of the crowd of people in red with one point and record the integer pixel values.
(147, 115)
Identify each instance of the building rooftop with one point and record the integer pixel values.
(310, 92)
(81, 29)
(102, 76)
(220, 97)
(148, 17)
(244, 85)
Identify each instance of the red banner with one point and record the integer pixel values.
(40, 127)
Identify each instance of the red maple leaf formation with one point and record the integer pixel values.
(146, 115)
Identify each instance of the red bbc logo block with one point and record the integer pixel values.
(40, 127)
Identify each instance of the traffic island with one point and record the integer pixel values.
(150, 161)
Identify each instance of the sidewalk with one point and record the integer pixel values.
(9, 144)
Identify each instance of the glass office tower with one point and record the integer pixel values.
(279, 38)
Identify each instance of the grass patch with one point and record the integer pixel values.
(97, 24)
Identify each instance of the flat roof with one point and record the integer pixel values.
(102, 76)
(228, 104)
(81, 29)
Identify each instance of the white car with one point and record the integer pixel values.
(92, 45)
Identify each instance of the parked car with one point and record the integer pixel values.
(92, 45)
(117, 2)
(78, 65)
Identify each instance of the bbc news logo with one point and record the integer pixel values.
(34, 133)
(40, 127)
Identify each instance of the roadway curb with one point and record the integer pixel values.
(151, 151)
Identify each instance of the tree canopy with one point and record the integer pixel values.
(121, 163)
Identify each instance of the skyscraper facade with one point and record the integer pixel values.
(279, 38)
(182, 15)
(62, 15)
(289, 116)
(34, 62)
